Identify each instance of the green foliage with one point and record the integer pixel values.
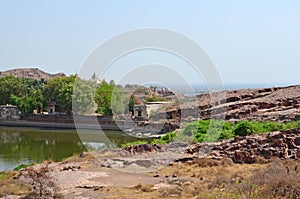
(155, 98)
(208, 130)
(34, 100)
(165, 139)
(135, 143)
(22, 166)
(213, 130)
(4, 175)
(191, 129)
(142, 91)
(24, 93)
(10, 85)
(243, 128)
(131, 103)
(60, 91)
(103, 98)
(110, 99)
(83, 96)
(117, 101)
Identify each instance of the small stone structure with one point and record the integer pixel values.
(51, 107)
(9, 112)
(150, 109)
(140, 111)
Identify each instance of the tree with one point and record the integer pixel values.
(10, 85)
(103, 98)
(110, 99)
(117, 101)
(60, 90)
(34, 100)
(83, 96)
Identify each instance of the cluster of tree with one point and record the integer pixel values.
(68, 93)
(30, 94)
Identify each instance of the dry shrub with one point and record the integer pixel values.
(42, 184)
(173, 191)
(261, 160)
(13, 187)
(143, 187)
(279, 179)
(192, 191)
(207, 162)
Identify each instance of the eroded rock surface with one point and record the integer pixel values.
(280, 144)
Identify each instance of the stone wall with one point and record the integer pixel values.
(9, 112)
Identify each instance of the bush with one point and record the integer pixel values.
(243, 128)
(165, 139)
(196, 127)
(190, 129)
(22, 166)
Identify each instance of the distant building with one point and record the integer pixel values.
(9, 112)
(145, 111)
(140, 112)
(51, 108)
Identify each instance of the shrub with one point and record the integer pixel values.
(208, 130)
(165, 139)
(190, 129)
(22, 166)
(243, 128)
(135, 143)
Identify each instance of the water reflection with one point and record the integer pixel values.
(26, 145)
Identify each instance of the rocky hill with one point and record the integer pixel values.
(33, 73)
(275, 104)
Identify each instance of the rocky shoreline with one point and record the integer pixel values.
(126, 167)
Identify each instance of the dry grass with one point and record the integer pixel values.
(9, 186)
(200, 178)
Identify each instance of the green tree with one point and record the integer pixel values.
(103, 98)
(110, 99)
(10, 85)
(60, 90)
(83, 96)
(117, 101)
(243, 128)
(71, 93)
(34, 100)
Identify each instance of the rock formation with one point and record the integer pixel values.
(269, 104)
(33, 73)
(249, 149)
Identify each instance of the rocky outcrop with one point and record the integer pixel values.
(142, 148)
(32, 73)
(269, 104)
(284, 145)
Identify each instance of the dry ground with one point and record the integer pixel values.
(84, 177)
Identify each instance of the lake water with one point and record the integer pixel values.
(33, 145)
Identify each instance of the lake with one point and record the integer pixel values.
(34, 145)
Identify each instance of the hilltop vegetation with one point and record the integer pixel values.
(31, 94)
(68, 94)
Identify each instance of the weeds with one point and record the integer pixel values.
(43, 186)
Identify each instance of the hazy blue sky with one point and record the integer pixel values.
(249, 41)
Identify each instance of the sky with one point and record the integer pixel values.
(249, 42)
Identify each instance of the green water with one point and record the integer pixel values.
(33, 145)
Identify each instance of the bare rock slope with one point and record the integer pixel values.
(275, 104)
(33, 73)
